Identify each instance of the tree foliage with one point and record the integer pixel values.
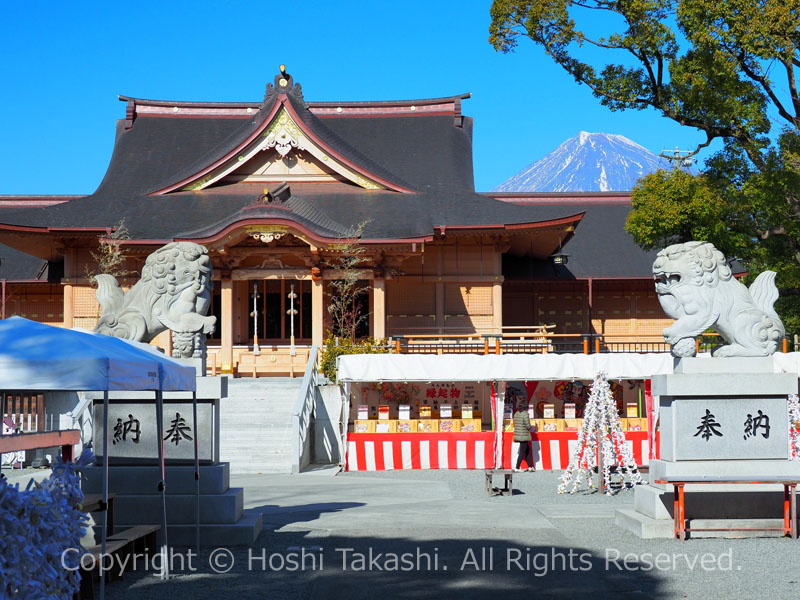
(347, 287)
(728, 69)
(108, 256)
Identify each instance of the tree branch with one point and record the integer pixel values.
(765, 85)
(792, 89)
(583, 38)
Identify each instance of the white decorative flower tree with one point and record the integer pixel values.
(794, 417)
(601, 429)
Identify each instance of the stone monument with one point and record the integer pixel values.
(724, 415)
(173, 293)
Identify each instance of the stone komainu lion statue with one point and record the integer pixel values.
(696, 288)
(174, 293)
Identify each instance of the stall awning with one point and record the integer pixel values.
(516, 367)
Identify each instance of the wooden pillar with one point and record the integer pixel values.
(226, 330)
(379, 308)
(317, 316)
(69, 307)
(497, 307)
(440, 324)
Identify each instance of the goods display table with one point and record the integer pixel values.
(385, 452)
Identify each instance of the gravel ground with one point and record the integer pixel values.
(545, 544)
(23, 476)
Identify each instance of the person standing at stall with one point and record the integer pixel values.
(522, 434)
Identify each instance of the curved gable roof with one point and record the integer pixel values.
(287, 97)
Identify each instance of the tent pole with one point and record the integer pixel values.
(161, 484)
(104, 533)
(196, 474)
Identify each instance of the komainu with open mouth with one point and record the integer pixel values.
(696, 288)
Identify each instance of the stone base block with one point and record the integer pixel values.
(775, 525)
(643, 526)
(242, 533)
(181, 509)
(132, 479)
(660, 469)
(648, 528)
(727, 365)
(711, 502)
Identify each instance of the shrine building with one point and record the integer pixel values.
(278, 189)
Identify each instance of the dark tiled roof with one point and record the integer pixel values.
(426, 151)
(18, 266)
(351, 152)
(409, 152)
(600, 248)
(147, 156)
(330, 208)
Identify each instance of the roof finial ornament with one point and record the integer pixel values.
(284, 84)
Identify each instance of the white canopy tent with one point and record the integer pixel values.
(39, 357)
(356, 368)
(517, 367)
(490, 367)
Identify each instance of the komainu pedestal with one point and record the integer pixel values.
(723, 417)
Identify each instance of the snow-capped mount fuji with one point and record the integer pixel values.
(588, 162)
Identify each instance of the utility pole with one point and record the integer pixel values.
(679, 158)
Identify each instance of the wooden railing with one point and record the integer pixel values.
(276, 360)
(540, 343)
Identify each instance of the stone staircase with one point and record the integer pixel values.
(256, 424)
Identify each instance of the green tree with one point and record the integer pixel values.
(348, 260)
(108, 256)
(728, 69)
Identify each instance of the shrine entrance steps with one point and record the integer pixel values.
(256, 424)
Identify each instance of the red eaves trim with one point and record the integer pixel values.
(30, 229)
(281, 103)
(140, 242)
(41, 281)
(382, 115)
(530, 225)
(255, 105)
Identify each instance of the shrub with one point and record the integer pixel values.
(335, 347)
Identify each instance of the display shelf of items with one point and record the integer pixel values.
(573, 425)
(432, 424)
(402, 426)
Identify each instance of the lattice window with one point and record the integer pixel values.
(566, 311)
(467, 299)
(650, 317)
(467, 260)
(408, 298)
(85, 322)
(84, 302)
(612, 314)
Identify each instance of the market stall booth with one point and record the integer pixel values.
(455, 411)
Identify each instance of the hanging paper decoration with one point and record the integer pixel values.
(601, 430)
(794, 421)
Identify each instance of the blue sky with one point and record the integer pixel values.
(64, 63)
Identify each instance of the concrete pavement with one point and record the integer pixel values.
(438, 534)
